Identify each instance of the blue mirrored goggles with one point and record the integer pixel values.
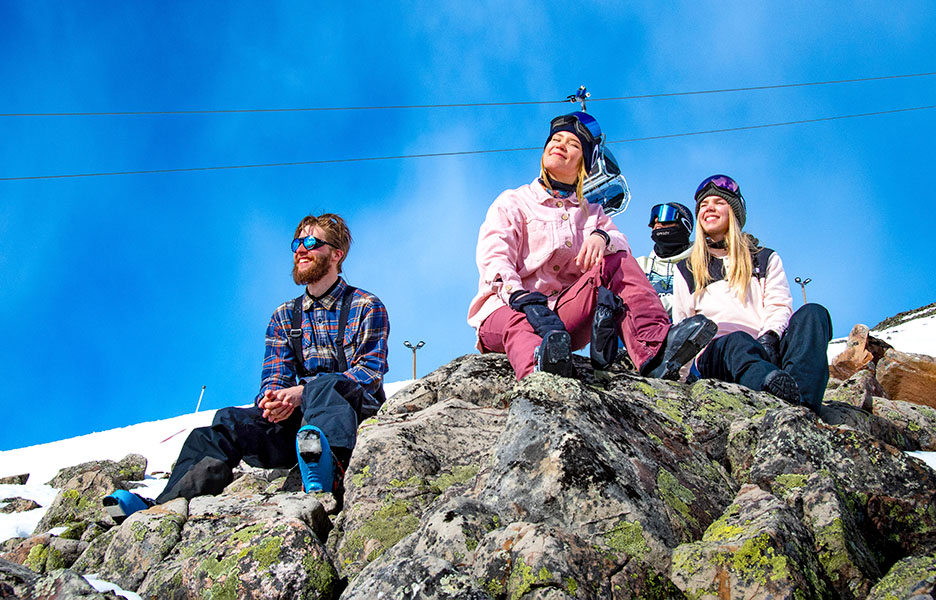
(664, 213)
(310, 242)
(585, 125)
(722, 182)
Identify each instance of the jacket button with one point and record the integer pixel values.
(559, 203)
(565, 216)
(568, 244)
(555, 267)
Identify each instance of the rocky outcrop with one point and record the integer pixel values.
(861, 349)
(16, 504)
(16, 581)
(131, 468)
(471, 485)
(909, 377)
(15, 479)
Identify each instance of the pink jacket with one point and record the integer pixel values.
(768, 304)
(529, 240)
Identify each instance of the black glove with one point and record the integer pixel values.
(771, 343)
(534, 306)
(604, 336)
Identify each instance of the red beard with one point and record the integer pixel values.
(313, 271)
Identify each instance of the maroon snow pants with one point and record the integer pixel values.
(643, 326)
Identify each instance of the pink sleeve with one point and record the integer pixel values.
(778, 302)
(498, 249)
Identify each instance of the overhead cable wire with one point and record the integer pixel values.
(456, 105)
(461, 152)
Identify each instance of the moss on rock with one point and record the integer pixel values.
(459, 474)
(388, 525)
(676, 496)
(627, 538)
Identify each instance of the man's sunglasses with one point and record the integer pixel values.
(310, 242)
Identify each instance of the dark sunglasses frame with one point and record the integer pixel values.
(310, 242)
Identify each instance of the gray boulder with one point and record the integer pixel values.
(79, 500)
(247, 546)
(130, 468)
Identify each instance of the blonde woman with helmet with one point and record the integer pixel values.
(730, 278)
(555, 273)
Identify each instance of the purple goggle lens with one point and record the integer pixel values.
(722, 182)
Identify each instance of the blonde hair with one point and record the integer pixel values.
(579, 181)
(739, 268)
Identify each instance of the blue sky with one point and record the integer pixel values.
(121, 296)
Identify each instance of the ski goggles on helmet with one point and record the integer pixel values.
(583, 124)
(721, 182)
(310, 242)
(669, 213)
(605, 185)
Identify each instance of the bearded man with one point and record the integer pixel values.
(326, 354)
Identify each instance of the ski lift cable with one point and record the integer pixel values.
(461, 152)
(456, 105)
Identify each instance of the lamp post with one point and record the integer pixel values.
(803, 283)
(414, 349)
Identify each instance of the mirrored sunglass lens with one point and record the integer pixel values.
(665, 213)
(308, 242)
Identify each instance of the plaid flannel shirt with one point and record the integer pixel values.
(365, 340)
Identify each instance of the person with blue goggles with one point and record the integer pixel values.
(670, 228)
(556, 274)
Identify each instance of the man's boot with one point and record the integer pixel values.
(316, 464)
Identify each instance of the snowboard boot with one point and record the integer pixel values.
(782, 385)
(683, 341)
(554, 355)
(316, 464)
(121, 504)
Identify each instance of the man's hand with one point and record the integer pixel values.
(277, 405)
(592, 251)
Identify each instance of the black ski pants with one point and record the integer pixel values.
(739, 358)
(332, 402)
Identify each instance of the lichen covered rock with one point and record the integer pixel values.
(757, 549)
(247, 547)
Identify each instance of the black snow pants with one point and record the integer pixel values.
(332, 402)
(739, 358)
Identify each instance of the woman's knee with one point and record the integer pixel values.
(814, 316)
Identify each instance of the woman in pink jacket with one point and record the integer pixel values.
(554, 268)
(761, 343)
